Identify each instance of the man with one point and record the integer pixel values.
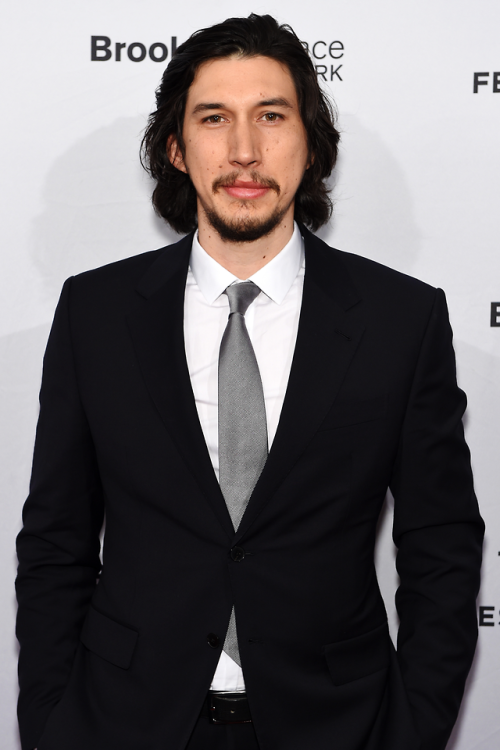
(238, 605)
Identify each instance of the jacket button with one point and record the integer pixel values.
(213, 640)
(237, 554)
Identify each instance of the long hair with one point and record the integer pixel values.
(174, 197)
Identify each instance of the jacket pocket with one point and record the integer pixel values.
(358, 657)
(349, 413)
(109, 639)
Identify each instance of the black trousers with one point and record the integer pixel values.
(207, 736)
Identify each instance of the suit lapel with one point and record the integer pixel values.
(327, 338)
(157, 330)
(328, 335)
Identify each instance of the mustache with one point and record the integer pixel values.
(228, 180)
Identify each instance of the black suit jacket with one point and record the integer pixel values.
(372, 403)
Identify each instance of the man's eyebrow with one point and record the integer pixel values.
(275, 102)
(204, 106)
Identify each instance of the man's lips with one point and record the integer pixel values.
(245, 189)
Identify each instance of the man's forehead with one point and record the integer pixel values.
(241, 76)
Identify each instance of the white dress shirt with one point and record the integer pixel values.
(272, 321)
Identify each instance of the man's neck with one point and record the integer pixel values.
(243, 259)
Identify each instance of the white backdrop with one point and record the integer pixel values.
(416, 188)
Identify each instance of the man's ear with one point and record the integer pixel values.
(175, 155)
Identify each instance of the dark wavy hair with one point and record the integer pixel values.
(174, 197)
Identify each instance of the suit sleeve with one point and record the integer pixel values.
(439, 533)
(58, 547)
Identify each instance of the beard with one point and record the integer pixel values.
(244, 229)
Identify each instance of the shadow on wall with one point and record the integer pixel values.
(478, 373)
(97, 206)
(21, 357)
(373, 205)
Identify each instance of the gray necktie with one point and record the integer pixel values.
(242, 419)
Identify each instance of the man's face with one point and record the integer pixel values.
(245, 145)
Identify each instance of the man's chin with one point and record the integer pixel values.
(244, 229)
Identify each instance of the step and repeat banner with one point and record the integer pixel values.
(417, 87)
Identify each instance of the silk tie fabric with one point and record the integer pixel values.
(243, 444)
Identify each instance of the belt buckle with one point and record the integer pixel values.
(228, 708)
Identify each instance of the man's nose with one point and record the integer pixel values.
(244, 148)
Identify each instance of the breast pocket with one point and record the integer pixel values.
(347, 413)
(358, 657)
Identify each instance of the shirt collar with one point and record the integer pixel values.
(274, 279)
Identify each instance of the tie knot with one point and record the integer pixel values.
(241, 296)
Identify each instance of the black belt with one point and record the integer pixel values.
(227, 708)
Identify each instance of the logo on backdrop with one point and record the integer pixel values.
(103, 49)
(325, 55)
(495, 315)
(491, 82)
(329, 53)
(487, 617)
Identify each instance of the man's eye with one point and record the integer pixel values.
(271, 117)
(214, 118)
